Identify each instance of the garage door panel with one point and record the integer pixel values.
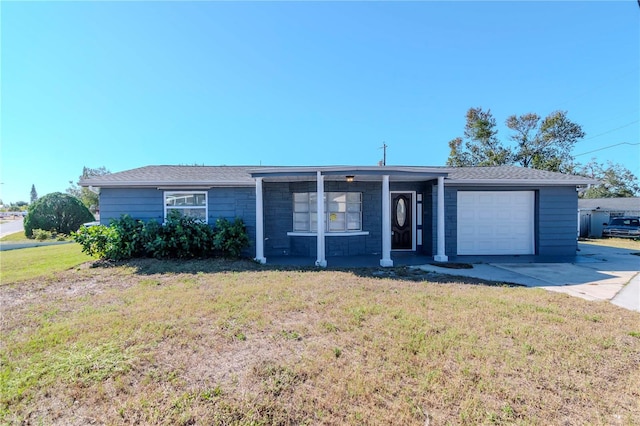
(495, 222)
(486, 215)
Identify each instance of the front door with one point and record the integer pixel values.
(401, 221)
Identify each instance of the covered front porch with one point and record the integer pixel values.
(307, 210)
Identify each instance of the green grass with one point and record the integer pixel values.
(15, 238)
(208, 342)
(29, 263)
(19, 237)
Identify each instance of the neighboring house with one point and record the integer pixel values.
(321, 212)
(595, 212)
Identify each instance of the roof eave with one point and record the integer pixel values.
(309, 171)
(519, 182)
(165, 184)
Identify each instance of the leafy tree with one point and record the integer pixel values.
(56, 212)
(17, 206)
(458, 157)
(89, 198)
(616, 180)
(544, 144)
(481, 144)
(34, 193)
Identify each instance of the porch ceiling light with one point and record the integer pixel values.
(350, 178)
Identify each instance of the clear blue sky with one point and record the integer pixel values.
(128, 84)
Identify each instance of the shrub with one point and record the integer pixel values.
(56, 212)
(179, 237)
(122, 239)
(98, 241)
(42, 235)
(230, 237)
(129, 242)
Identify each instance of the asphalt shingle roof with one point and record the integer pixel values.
(175, 175)
(610, 204)
(512, 173)
(241, 175)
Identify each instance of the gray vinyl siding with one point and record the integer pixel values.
(555, 215)
(278, 218)
(428, 233)
(231, 203)
(557, 221)
(139, 203)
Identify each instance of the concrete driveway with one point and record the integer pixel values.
(597, 273)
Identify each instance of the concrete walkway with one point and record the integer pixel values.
(597, 273)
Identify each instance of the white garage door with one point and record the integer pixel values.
(495, 222)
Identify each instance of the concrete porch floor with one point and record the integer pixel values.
(410, 259)
(363, 261)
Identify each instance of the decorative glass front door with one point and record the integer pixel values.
(401, 221)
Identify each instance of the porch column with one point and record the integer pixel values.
(321, 260)
(259, 223)
(386, 224)
(440, 256)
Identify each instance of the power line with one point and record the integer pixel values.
(607, 147)
(612, 130)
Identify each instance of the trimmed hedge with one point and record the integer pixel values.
(57, 213)
(180, 237)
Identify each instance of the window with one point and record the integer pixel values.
(192, 204)
(624, 222)
(343, 211)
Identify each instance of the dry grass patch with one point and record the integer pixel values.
(625, 243)
(138, 344)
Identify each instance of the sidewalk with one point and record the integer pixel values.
(629, 296)
(14, 246)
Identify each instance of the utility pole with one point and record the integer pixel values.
(384, 151)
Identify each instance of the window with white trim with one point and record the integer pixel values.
(187, 203)
(343, 211)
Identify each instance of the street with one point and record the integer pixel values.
(10, 227)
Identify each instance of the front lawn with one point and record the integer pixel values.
(30, 263)
(15, 237)
(208, 342)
